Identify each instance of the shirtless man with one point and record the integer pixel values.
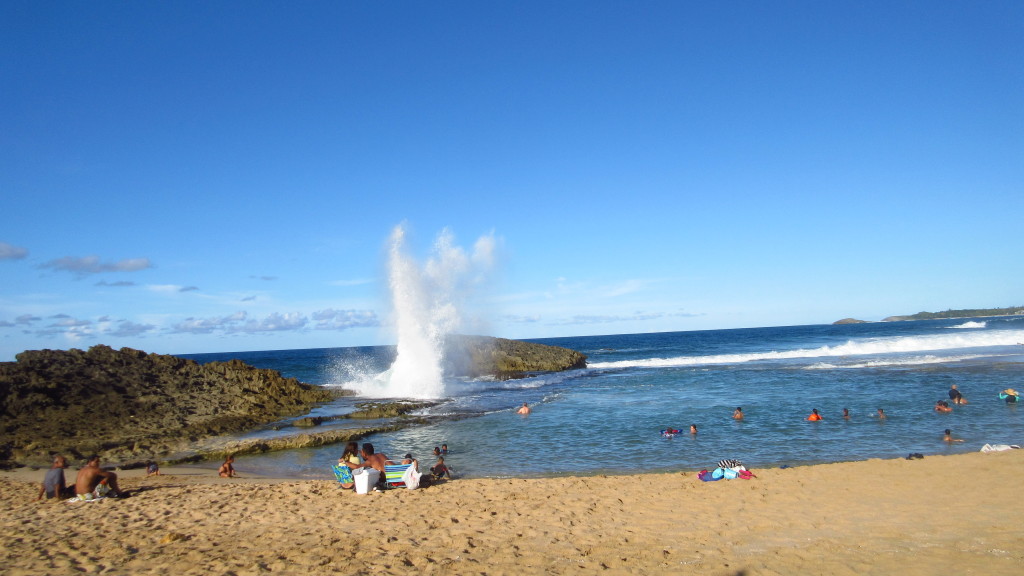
(91, 479)
(54, 485)
(524, 409)
(737, 414)
(372, 459)
(948, 437)
(227, 469)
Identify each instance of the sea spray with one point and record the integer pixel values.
(428, 303)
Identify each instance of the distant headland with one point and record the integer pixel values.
(948, 314)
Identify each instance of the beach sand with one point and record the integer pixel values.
(960, 514)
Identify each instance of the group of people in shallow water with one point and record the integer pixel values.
(955, 396)
(355, 458)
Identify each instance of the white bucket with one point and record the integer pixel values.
(366, 479)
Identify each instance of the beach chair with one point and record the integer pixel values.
(393, 473)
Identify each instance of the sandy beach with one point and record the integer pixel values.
(937, 515)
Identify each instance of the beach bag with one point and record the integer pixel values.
(706, 476)
(730, 463)
(411, 477)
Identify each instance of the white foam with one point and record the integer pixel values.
(425, 298)
(971, 324)
(870, 346)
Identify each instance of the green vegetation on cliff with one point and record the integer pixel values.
(127, 404)
(967, 313)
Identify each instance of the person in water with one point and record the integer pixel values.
(881, 414)
(948, 437)
(814, 417)
(955, 396)
(693, 429)
(846, 413)
(942, 406)
(524, 409)
(737, 414)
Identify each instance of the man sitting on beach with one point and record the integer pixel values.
(94, 482)
(374, 460)
(54, 485)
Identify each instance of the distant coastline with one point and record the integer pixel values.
(946, 315)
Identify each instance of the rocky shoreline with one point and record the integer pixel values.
(129, 406)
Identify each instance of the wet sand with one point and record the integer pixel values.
(961, 514)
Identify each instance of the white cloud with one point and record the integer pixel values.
(275, 322)
(331, 319)
(128, 329)
(208, 325)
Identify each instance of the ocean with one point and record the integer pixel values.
(608, 418)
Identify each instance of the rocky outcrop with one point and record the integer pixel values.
(849, 321)
(476, 356)
(127, 404)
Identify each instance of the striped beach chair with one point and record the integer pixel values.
(393, 473)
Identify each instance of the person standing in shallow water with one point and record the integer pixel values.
(737, 414)
(524, 409)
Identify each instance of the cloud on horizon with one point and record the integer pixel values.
(606, 319)
(331, 319)
(87, 265)
(12, 252)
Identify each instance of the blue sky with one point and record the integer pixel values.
(224, 176)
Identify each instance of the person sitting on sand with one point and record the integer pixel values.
(227, 469)
(942, 406)
(524, 409)
(350, 457)
(347, 462)
(374, 460)
(440, 470)
(152, 468)
(814, 417)
(737, 414)
(94, 482)
(54, 484)
(949, 437)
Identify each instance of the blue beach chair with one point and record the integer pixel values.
(393, 473)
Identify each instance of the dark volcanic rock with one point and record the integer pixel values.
(126, 404)
(476, 356)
